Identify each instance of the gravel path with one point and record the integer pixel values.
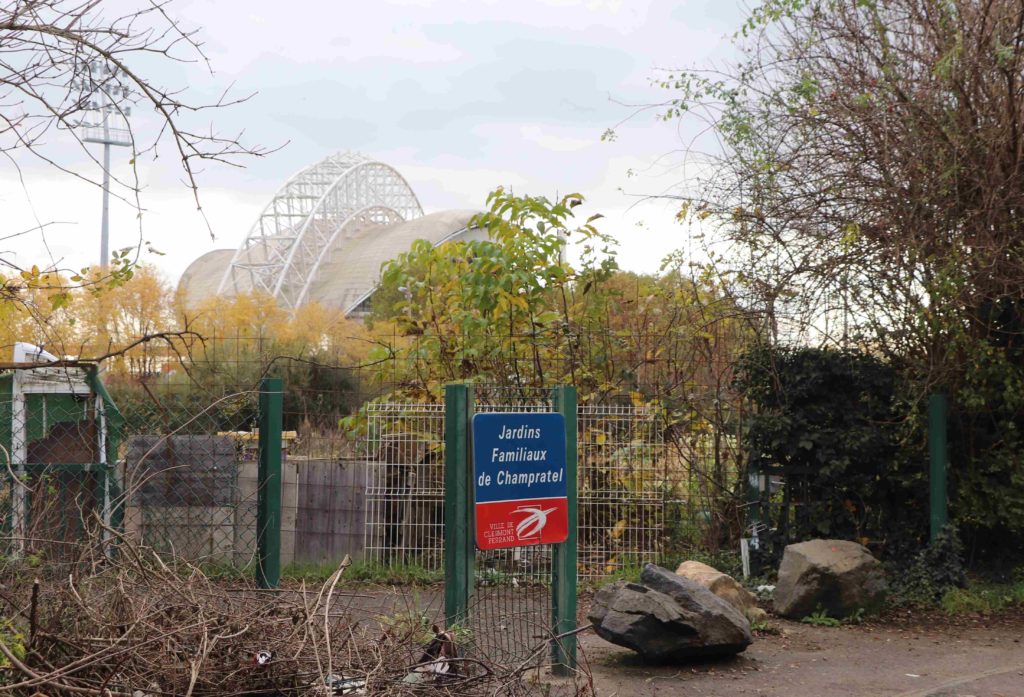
(929, 658)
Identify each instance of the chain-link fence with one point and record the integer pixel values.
(175, 472)
(191, 482)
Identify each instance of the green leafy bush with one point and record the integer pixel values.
(931, 574)
(986, 437)
(826, 421)
(943, 560)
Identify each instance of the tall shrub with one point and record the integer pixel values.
(825, 421)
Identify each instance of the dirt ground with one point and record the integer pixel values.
(909, 655)
(903, 657)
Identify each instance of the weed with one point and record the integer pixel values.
(419, 628)
(416, 626)
(629, 573)
(15, 641)
(764, 627)
(493, 577)
(983, 598)
(856, 618)
(225, 570)
(820, 618)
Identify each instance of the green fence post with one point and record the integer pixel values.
(563, 567)
(938, 460)
(458, 515)
(268, 511)
(110, 424)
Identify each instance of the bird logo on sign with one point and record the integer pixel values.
(531, 526)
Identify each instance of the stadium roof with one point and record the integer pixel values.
(324, 236)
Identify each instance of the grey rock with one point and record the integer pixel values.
(838, 576)
(668, 618)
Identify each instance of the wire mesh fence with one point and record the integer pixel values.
(405, 484)
(624, 485)
(175, 447)
(510, 610)
(623, 476)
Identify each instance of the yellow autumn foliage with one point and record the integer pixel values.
(96, 323)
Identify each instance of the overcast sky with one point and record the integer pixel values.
(458, 96)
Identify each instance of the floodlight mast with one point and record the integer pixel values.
(104, 133)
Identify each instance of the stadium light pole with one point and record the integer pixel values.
(98, 80)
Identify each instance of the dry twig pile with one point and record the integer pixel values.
(141, 625)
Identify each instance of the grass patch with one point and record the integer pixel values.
(983, 598)
(363, 572)
(226, 571)
(397, 575)
(629, 573)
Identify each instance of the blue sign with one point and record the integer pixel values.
(519, 479)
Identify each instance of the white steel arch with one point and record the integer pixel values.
(289, 241)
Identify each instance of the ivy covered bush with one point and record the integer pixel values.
(986, 442)
(827, 421)
(924, 578)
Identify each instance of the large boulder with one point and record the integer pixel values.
(668, 618)
(837, 576)
(724, 586)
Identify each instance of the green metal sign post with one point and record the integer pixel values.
(458, 509)
(268, 505)
(563, 580)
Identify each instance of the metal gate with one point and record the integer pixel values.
(621, 496)
(58, 484)
(512, 602)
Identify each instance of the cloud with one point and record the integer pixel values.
(547, 140)
(459, 95)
